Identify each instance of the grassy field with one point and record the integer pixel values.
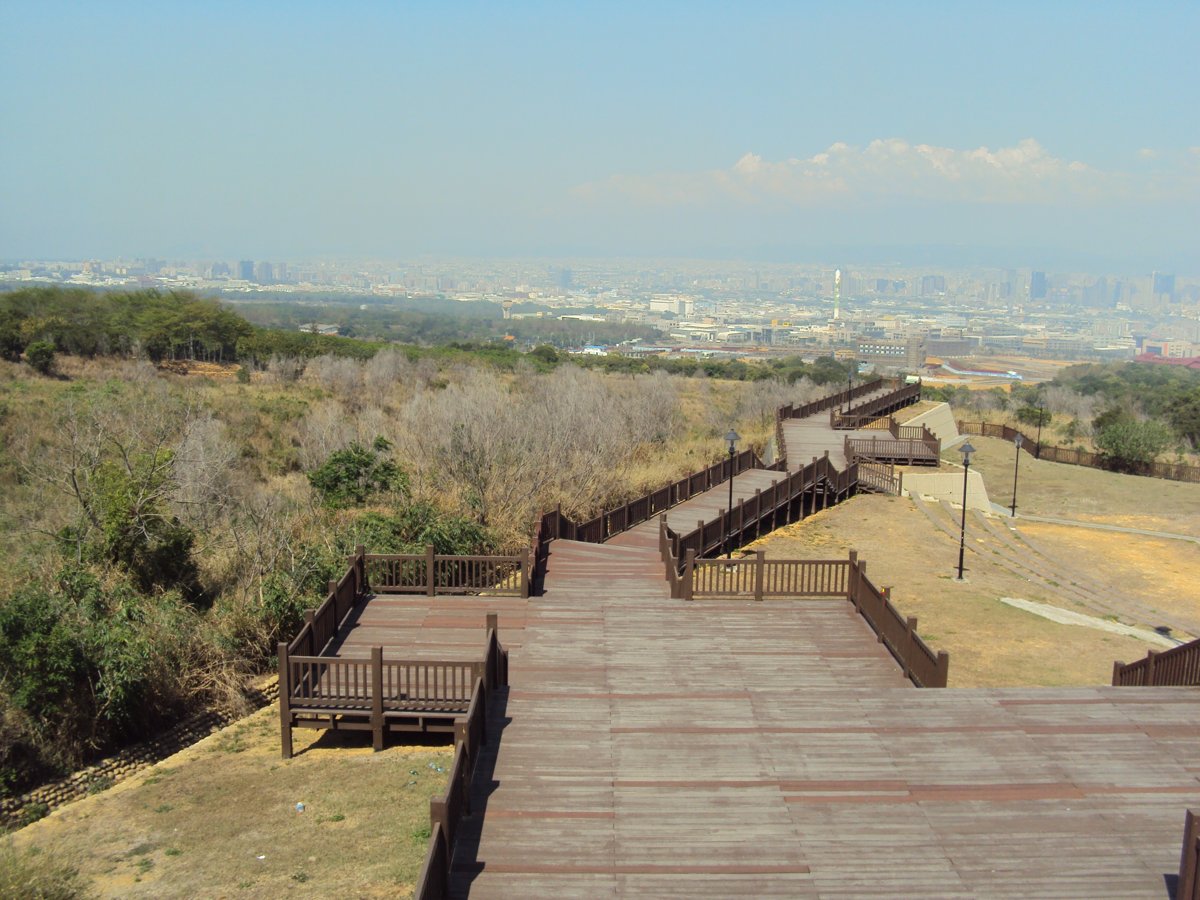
(1078, 492)
(220, 819)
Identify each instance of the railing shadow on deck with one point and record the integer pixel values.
(474, 760)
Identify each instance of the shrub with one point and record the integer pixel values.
(40, 356)
(350, 477)
(1033, 415)
(1126, 441)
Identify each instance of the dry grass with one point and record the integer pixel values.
(197, 824)
(990, 643)
(1078, 492)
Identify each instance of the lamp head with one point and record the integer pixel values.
(1019, 440)
(731, 438)
(966, 450)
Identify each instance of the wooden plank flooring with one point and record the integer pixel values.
(772, 749)
(652, 747)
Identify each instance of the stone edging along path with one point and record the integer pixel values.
(16, 812)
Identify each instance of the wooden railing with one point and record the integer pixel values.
(430, 573)
(858, 416)
(553, 525)
(843, 398)
(901, 452)
(470, 736)
(758, 578)
(1068, 456)
(880, 477)
(321, 624)
(1188, 886)
(1179, 667)
(899, 634)
(816, 486)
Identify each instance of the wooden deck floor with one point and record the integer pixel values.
(657, 748)
(654, 747)
(810, 437)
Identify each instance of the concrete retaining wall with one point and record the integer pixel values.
(948, 486)
(939, 420)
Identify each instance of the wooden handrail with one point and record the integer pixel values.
(1178, 667)
(446, 811)
(433, 573)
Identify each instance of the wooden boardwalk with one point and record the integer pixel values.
(651, 747)
(654, 747)
(811, 437)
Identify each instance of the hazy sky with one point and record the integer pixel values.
(1046, 134)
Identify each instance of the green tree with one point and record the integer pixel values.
(352, 476)
(1128, 442)
(40, 356)
(1033, 415)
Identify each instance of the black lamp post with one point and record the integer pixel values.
(732, 437)
(966, 450)
(1017, 442)
(1041, 415)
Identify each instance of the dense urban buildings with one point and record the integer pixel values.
(887, 317)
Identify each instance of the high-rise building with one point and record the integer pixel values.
(264, 274)
(564, 279)
(245, 269)
(932, 285)
(1037, 286)
(1164, 285)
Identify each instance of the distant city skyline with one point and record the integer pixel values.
(1045, 136)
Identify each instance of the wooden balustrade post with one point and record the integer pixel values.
(360, 571)
(1150, 657)
(377, 698)
(439, 815)
(1188, 886)
(526, 574)
(758, 516)
(689, 568)
(759, 573)
(910, 629)
(943, 669)
(285, 698)
(1117, 667)
(430, 575)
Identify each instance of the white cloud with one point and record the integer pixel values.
(1023, 174)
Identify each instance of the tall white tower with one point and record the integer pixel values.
(837, 293)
